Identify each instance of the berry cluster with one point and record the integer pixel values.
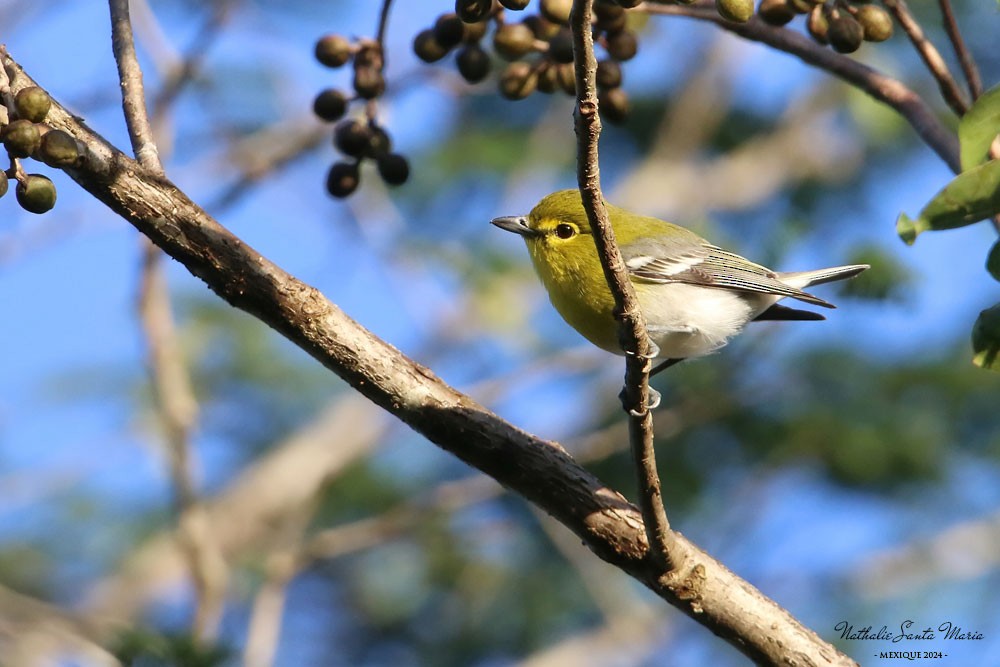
(539, 48)
(843, 25)
(357, 138)
(27, 136)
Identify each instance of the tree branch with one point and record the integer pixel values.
(540, 471)
(883, 88)
(930, 55)
(174, 397)
(961, 50)
(632, 325)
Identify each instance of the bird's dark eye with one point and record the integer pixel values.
(565, 231)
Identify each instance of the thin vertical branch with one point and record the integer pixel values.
(930, 55)
(962, 52)
(632, 325)
(175, 400)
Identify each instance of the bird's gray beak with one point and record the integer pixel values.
(515, 223)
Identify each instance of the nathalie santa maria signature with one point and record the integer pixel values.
(907, 631)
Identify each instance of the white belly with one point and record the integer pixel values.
(691, 321)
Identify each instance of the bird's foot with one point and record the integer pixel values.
(651, 404)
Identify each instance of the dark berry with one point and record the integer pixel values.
(368, 82)
(427, 47)
(614, 105)
(330, 105)
(473, 63)
(351, 137)
(449, 30)
(561, 46)
(379, 142)
(776, 12)
(622, 45)
(393, 168)
(609, 74)
(845, 33)
(473, 11)
(515, 5)
(343, 179)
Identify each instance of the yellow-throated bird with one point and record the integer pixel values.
(695, 296)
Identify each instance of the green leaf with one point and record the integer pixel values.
(908, 228)
(993, 261)
(978, 127)
(971, 196)
(986, 339)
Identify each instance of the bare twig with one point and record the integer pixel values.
(140, 131)
(175, 400)
(881, 87)
(961, 50)
(930, 55)
(632, 325)
(538, 470)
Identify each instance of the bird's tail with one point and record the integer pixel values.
(802, 279)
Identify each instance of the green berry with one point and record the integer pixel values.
(21, 138)
(556, 11)
(875, 21)
(343, 179)
(4, 183)
(333, 50)
(36, 194)
(518, 81)
(818, 25)
(513, 40)
(738, 11)
(548, 78)
(32, 104)
(58, 149)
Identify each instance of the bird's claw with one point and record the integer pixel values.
(651, 404)
(653, 353)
